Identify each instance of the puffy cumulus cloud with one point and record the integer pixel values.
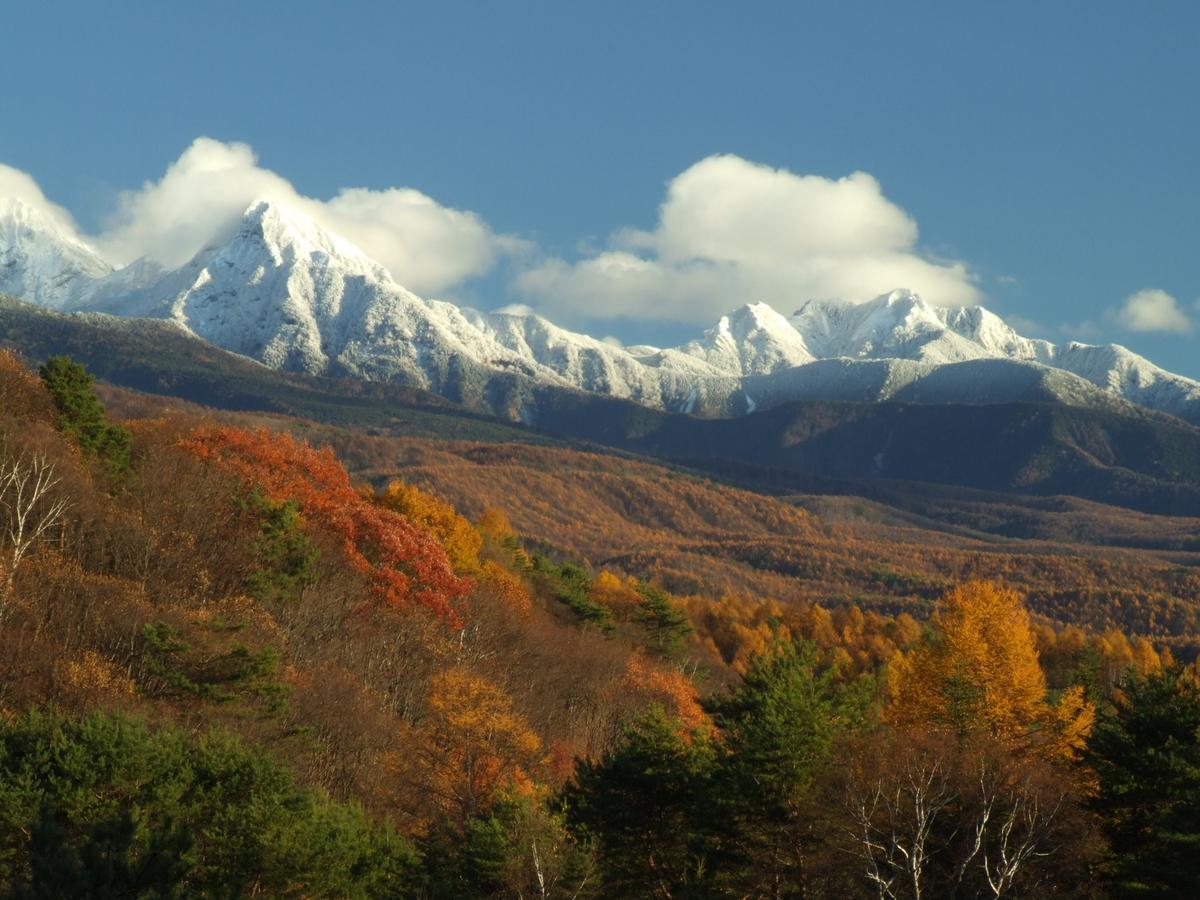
(732, 231)
(1152, 310)
(426, 246)
(725, 208)
(18, 185)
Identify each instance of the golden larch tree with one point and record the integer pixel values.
(472, 743)
(979, 671)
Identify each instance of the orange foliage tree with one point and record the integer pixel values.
(403, 561)
(505, 587)
(668, 687)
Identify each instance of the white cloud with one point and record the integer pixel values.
(515, 309)
(426, 246)
(731, 231)
(18, 185)
(1152, 310)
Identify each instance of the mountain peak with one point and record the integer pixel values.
(40, 260)
(901, 297)
(898, 324)
(750, 316)
(753, 339)
(756, 315)
(282, 228)
(17, 214)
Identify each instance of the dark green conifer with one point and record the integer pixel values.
(81, 414)
(1146, 753)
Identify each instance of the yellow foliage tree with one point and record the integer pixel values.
(619, 597)
(494, 525)
(980, 672)
(737, 627)
(498, 532)
(474, 743)
(455, 533)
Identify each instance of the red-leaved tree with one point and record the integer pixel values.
(404, 563)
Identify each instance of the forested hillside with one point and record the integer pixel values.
(1119, 455)
(228, 668)
(1078, 563)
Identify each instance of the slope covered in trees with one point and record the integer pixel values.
(383, 648)
(698, 536)
(227, 668)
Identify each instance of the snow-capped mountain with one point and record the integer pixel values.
(901, 326)
(41, 262)
(294, 296)
(751, 340)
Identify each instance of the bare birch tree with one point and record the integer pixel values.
(894, 815)
(1012, 822)
(29, 507)
(928, 819)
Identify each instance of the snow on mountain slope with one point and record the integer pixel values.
(281, 291)
(291, 295)
(294, 296)
(39, 261)
(993, 334)
(664, 379)
(900, 325)
(752, 340)
(970, 381)
(1134, 378)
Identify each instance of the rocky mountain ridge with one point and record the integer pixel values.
(295, 297)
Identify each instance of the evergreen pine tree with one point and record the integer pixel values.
(1146, 753)
(82, 416)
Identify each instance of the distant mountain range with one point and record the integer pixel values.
(295, 297)
(1127, 456)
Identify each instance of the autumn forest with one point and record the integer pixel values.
(251, 654)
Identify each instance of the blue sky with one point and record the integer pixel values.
(1045, 151)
